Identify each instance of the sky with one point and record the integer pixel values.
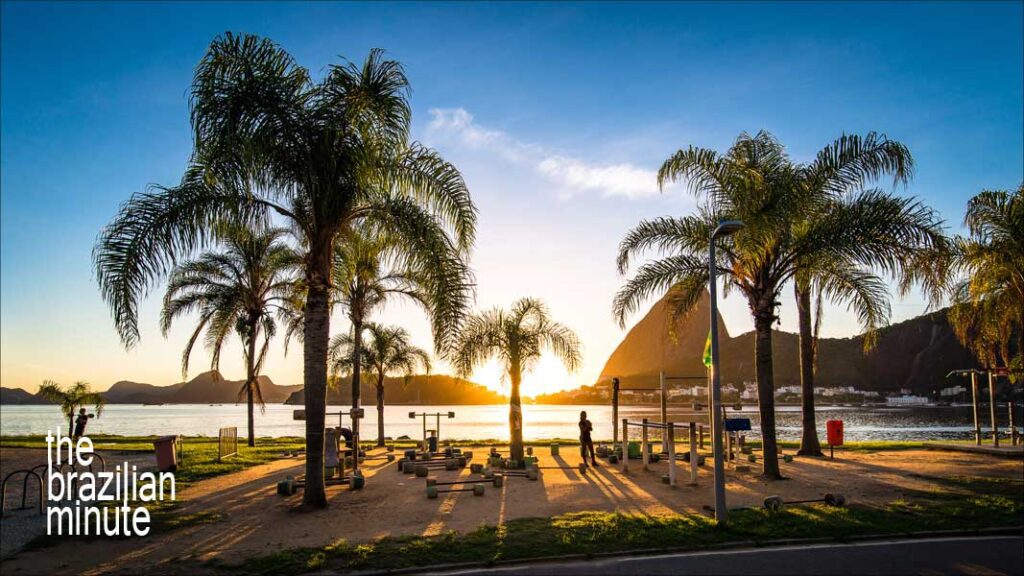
(558, 116)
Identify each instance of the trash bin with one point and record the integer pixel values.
(432, 444)
(166, 448)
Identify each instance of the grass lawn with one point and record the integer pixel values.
(963, 503)
(199, 453)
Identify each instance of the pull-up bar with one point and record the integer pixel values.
(413, 415)
(974, 373)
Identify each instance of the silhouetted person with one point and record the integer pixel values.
(586, 442)
(80, 423)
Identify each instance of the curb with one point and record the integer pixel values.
(995, 531)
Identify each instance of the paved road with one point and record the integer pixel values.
(968, 555)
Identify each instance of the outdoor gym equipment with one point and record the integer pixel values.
(497, 482)
(662, 390)
(669, 429)
(992, 375)
(582, 467)
(777, 503)
(422, 468)
(354, 414)
(437, 431)
(476, 489)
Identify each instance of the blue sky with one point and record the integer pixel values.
(557, 114)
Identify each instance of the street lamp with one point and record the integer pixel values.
(724, 228)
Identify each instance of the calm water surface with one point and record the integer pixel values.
(487, 422)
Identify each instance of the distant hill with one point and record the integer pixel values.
(19, 396)
(421, 389)
(915, 354)
(206, 388)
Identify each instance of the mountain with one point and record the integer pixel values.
(206, 388)
(19, 396)
(437, 389)
(915, 354)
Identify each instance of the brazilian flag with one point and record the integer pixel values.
(707, 351)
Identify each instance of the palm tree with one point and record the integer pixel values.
(387, 352)
(786, 233)
(238, 289)
(322, 156)
(517, 337)
(988, 308)
(879, 232)
(72, 398)
(371, 266)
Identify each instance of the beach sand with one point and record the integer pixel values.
(257, 521)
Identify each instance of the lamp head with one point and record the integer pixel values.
(727, 227)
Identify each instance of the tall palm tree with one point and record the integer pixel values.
(370, 267)
(70, 399)
(387, 352)
(787, 231)
(988, 308)
(517, 338)
(322, 156)
(237, 289)
(880, 232)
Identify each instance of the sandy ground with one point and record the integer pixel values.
(259, 522)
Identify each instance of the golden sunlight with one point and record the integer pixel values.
(549, 375)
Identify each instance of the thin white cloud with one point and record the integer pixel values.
(570, 175)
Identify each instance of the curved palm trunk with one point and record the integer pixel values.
(316, 333)
(250, 380)
(809, 445)
(515, 416)
(766, 392)
(380, 409)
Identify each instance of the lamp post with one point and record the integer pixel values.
(724, 228)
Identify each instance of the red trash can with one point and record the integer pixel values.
(835, 432)
(166, 448)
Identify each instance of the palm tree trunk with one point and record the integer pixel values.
(357, 355)
(515, 416)
(250, 379)
(809, 445)
(71, 422)
(316, 333)
(766, 391)
(380, 409)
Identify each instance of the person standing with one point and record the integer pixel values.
(80, 423)
(586, 442)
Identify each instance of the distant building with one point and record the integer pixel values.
(906, 400)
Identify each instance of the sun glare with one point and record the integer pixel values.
(549, 375)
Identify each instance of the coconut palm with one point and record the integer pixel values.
(387, 352)
(236, 289)
(988, 309)
(879, 232)
(320, 156)
(517, 338)
(70, 399)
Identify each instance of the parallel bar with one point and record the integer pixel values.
(664, 410)
(693, 454)
(644, 449)
(977, 418)
(992, 409)
(670, 435)
(625, 445)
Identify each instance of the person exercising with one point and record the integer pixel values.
(585, 440)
